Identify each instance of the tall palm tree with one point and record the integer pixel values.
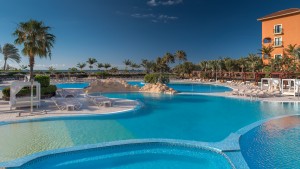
(81, 66)
(91, 62)
(168, 58)
(254, 61)
(37, 41)
(106, 66)
(10, 52)
(181, 55)
(204, 65)
(148, 65)
(100, 65)
(127, 63)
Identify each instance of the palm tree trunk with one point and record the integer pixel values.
(31, 64)
(4, 67)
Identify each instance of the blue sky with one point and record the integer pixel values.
(114, 30)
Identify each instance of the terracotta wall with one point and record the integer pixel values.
(290, 35)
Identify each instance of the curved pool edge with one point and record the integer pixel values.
(178, 143)
(231, 144)
(135, 108)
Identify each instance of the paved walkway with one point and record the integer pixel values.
(52, 111)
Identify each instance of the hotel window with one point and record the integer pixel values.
(278, 29)
(278, 41)
(267, 40)
(279, 56)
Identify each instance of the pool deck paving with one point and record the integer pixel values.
(48, 109)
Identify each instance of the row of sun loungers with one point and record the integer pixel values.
(69, 100)
(100, 101)
(65, 104)
(256, 93)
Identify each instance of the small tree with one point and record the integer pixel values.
(81, 66)
(10, 52)
(106, 66)
(91, 62)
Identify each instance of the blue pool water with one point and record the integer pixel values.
(133, 156)
(188, 87)
(72, 85)
(184, 117)
(275, 144)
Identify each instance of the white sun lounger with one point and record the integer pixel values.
(63, 104)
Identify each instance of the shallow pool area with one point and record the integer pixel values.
(274, 144)
(183, 117)
(146, 155)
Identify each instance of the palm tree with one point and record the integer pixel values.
(100, 65)
(81, 66)
(168, 58)
(37, 41)
(266, 51)
(51, 69)
(293, 51)
(127, 63)
(213, 64)
(204, 65)
(23, 67)
(10, 52)
(91, 61)
(148, 65)
(181, 55)
(254, 61)
(106, 66)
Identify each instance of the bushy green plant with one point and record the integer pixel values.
(154, 78)
(50, 90)
(102, 74)
(43, 80)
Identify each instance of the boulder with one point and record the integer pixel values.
(110, 85)
(158, 88)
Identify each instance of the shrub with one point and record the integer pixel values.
(102, 74)
(48, 90)
(6, 92)
(154, 78)
(43, 80)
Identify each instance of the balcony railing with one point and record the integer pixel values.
(278, 31)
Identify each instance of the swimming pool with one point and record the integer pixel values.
(274, 144)
(184, 117)
(72, 85)
(189, 87)
(160, 155)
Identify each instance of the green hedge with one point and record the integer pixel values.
(43, 80)
(50, 90)
(154, 78)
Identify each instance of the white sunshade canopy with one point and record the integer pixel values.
(17, 86)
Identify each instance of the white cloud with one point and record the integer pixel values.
(166, 17)
(163, 2)
(137, 15)
(154, 18)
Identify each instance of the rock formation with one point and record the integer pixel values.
(157, 88)
(114, 85)
(111, 85)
